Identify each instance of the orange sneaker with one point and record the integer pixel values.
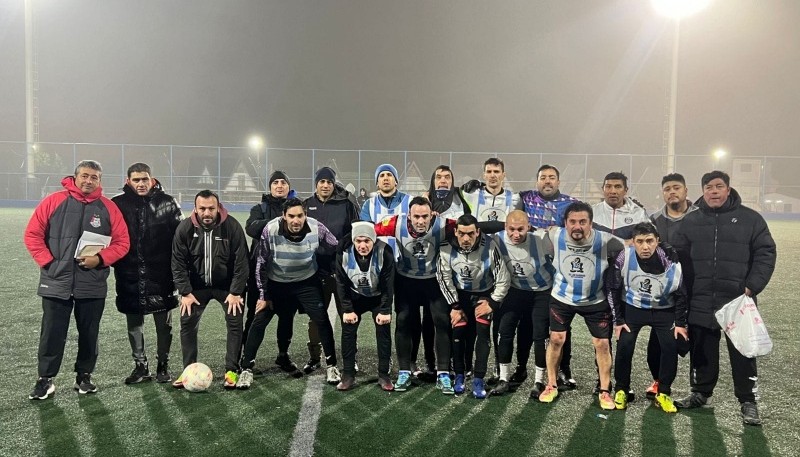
(549, 394)
(606, 402)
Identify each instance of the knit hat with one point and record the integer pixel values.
(277, 174)
(386, 167)
(363, 228)
(325, 173)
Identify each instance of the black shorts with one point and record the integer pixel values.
(597, 317)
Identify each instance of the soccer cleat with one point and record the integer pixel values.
(538, 388)
(548, 394)
(519, 376)
(501, 388)
(333, 376)
(444, 384)
(162, 373)
(311, 366)
(140, 373)
(606, 402)
(347, 383)
(458, 386)
(693, 400)
(403, 381)
(286, 364)
(664, 402)
(478, 389)
(385, 383)
(652, 391)
(565, 380)
(231, 377)
(178, 383)
(84, 384)
(621, 399)
(245, 379)
(750, 414)
(43, 388)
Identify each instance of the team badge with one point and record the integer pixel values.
(95, 221)
(629, 220)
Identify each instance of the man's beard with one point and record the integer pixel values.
(675, 206)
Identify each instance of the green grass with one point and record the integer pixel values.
(154, 419)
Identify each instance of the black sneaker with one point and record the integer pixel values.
(84, 385)
(44, 388)
(501, 388)
(519, 376)
(162, 373)
(750, 414)
(538, 388)
(311, 366)
(140, 373)
(566, 382)
(285, 363)
(694, 400)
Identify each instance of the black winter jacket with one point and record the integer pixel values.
(225, 267)
(723, 250)
(144, 276)
(269, 208)
(337, 214)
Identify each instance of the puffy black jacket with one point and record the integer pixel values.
(144, 276)
(337, 214)
(224, 267)
(269, 208)
(723, 250)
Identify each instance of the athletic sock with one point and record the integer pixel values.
(504, 368)
(540, 375)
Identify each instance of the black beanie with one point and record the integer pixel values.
(277, 174)
(325, 173)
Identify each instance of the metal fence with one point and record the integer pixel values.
(767, 183)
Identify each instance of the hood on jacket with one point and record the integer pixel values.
(734, 201)
(69, 184)
(268, 198)
(156, 189)
(690, 207)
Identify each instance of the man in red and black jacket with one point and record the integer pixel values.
(71, 281)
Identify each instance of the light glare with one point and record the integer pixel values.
(678, 9)
(256, 142)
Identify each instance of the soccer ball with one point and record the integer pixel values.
(197, 377)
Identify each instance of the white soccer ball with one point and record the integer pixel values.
(197, 377)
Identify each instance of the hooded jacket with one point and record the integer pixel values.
(269, 208)
(52, 237)
(210, 257)
(454, 199)
(144, 276)
(618, 221)
(337, 213)
(727, 249)
(667, 225)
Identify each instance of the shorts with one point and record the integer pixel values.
(598, 317)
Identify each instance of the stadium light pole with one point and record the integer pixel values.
(256, 143)
(675, 9)
(31, 116)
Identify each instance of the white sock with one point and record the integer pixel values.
(438, 372)
(540, 376)
(504, 368)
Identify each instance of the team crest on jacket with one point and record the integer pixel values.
(95, 221)
(629, 220)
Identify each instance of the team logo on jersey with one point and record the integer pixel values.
(418, 250)
(95, 221)
(648, 285)
(465, 274)
(645, 287)
(363, 281)
(576, 266)
(629, 220)
(492, 216)
(518, 270)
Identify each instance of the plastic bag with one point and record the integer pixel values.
(742, 322)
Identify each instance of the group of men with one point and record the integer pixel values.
(467, 268)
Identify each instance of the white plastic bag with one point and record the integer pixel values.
(742, 322)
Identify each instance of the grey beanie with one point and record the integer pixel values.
(363, 228)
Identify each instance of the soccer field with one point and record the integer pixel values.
(278, 413)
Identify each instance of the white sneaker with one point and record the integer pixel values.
(333, 375)
(245, 379)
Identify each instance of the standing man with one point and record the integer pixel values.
(581, 258)
(474, 281)
(271, 206)
(545, 208)
(617, 213)
(528, 258)
(492, 202)
(70, 279)
(418, 236)
(644, 286)
(388, 201)
(365, 281)
(144, 276)
(667, 221)
(287, 281)
(335, 208)
(731, 252)
(209, 260)
(446, 199)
